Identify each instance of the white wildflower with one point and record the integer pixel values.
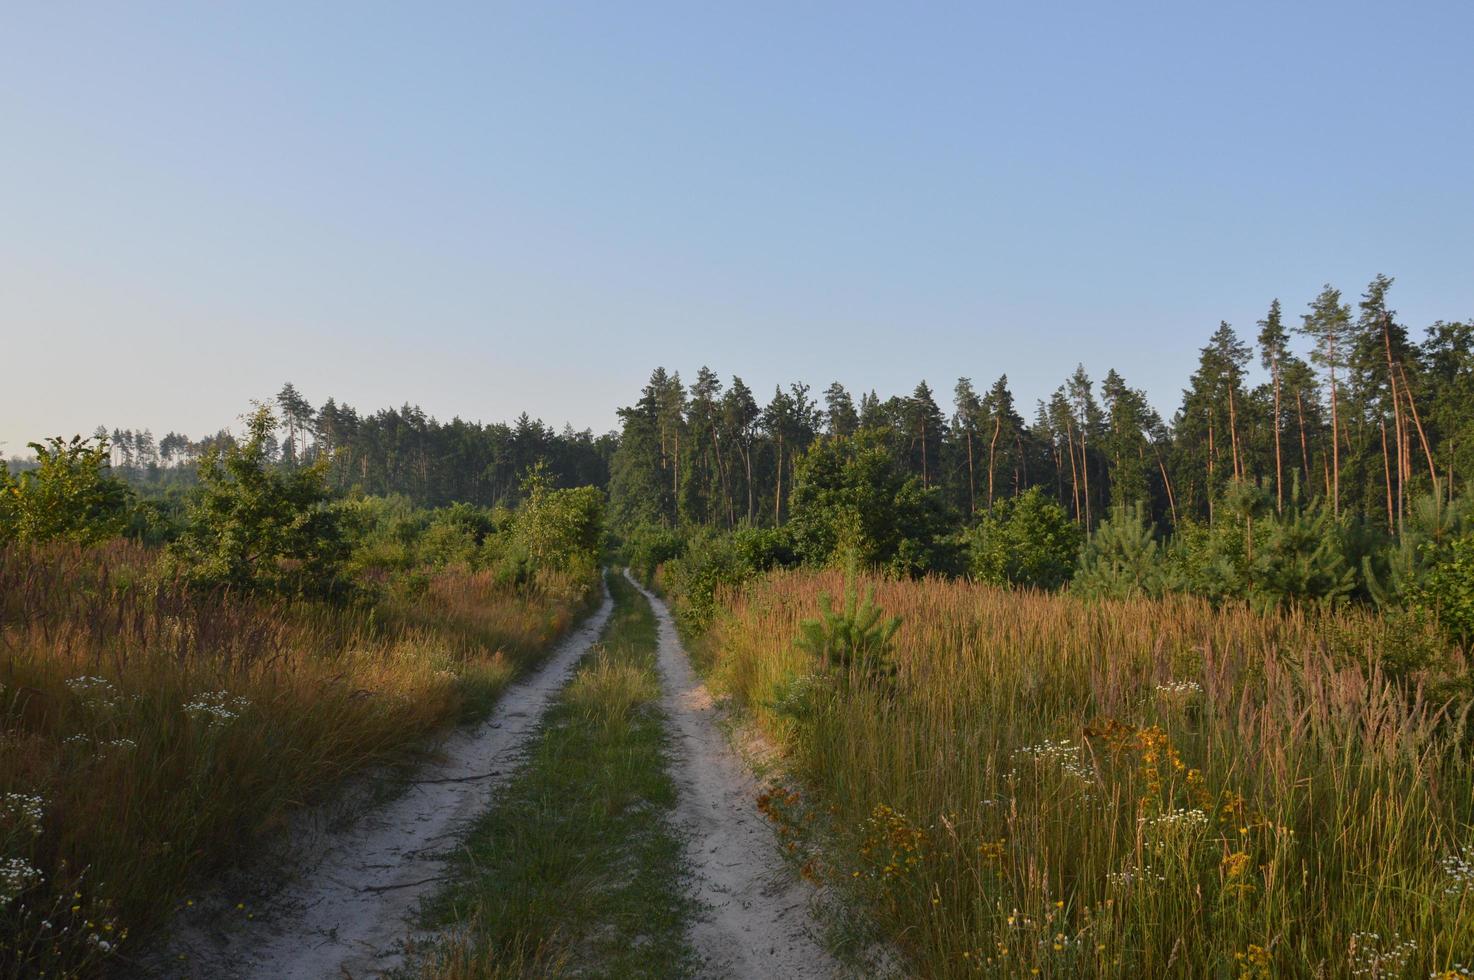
(16, 875)
(1369, 955)
(1127, 877)
(1460, 870)
(1173, 827)
(1180, 688)
(1173, 819)
(217, 708)
(22, 809)
(95, 692)
(1065, 754)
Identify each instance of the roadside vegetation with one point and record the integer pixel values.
(577, 869)
(1015, 783)
(162, 707)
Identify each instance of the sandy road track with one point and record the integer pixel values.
(352, 905)
(759, 924)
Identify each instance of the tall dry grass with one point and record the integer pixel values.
(149, 733)
(1150, 788)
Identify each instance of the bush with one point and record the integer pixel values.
(69, 496)
(1267, 558)
(1398, 574)
(852, 504)
(1447, 587)
(646, 547)
(854, 641)
(256, 528)
(1028, 540)
(1123, 558)
(714, 561)
(559, 530)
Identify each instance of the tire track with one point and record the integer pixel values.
(760, 924)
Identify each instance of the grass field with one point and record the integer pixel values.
(147, 734)
(1154, 788)
(576, 868)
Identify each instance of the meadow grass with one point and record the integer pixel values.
(1056, 787)
(149, 734)
(576, 869)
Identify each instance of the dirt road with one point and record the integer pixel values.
(759, 923)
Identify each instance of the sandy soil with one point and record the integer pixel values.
(350, 907)
(760, 922)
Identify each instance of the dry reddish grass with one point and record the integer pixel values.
(1032, 793)
(143, 795)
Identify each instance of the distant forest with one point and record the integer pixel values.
(391, 451)
(1366, 418)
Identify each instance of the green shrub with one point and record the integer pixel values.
(1028, 540)
(646, 547)
(713, 561)
(1397, 574)
(257, 528)
(558, 530)
(1447, 587)
(1123, 558)
(852, 504)
(1270, 558)
(853, 641)
(69, 495)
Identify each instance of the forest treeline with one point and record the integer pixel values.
(1323, 455)
(1339, 403)
(1367, 419)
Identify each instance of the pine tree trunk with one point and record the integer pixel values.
(1085, 471)
(1398, 430)
(992, 455)
(972, 491)
(1304, 443)
(1167, 483)
(1074, 474)
(1020, 465)
(925, 476)
(1233, 436)
(1387, 471)
(1212, 453)
(1422, 436)
(747, 463)
(716, 445)
(778, 491)
(1335, 445)
(1279, 469)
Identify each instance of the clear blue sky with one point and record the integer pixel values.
(487, 208)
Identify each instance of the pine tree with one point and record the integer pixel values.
(1327, 324)
(968, 415)
(1006, 438)
(925, 425)
(840, 410)
(1273, 342)
(740, 415)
